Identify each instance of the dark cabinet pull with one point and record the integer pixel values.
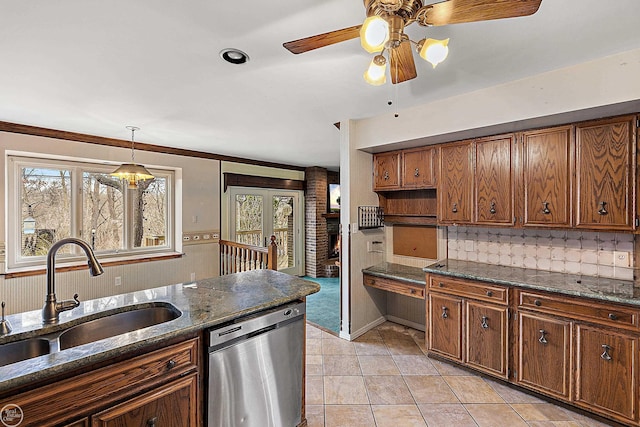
(455, 208)
(171, 364)
(542, 338)
(444, 313)
(412, 291)
(605, 354)
(492, 209)
(602, 210)
(416, 173)
(151, 422)
(613, 316)
(484, 323)
(441, 284)
(385, 175)
(537, 303)
(489, 293)
(545, 208)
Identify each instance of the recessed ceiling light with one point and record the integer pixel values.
(234, 56)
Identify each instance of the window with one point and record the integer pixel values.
(53, 199)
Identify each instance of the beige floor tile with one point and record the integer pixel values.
(371, 348)
(512, 395)
(583, 420)
(349, 416)
(329, 335)
(314, 415)
(403, 346)
(378, 365)
(472, 389)
(341, 365)
(314, 390)
(314, 364)
(314, 346)
(371, 335)
(430, 389)
(391, 327)
(335, 346)
(540, 412)
(388, 390)
(445, 368)
(397, 415)
(446, 415)
(494, 415)
(345, 390)
(553, 424)
(313, 332)
(414, 365)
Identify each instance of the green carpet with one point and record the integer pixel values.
(323, 308)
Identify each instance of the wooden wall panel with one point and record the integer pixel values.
(415, 241)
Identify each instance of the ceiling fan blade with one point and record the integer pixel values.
(402, 66)
(322, 40)
(460, 11)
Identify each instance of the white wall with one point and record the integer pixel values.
(200, 188)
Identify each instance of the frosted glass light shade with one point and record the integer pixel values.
(376, 74)
(374, 34)
(132, 173)
(434, 51)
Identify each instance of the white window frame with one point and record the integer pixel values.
(15, 261)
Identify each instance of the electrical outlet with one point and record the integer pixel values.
(206, 236)
(118, 281)
(196, 237)
(621, 259)
(186, 238)
(193, 277)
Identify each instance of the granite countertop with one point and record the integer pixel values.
(387, 270)
(614, 290)
(204, 303)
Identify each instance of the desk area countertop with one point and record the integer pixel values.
(387, 270)
(204, 303)
(601, 288)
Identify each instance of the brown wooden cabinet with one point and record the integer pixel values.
(605, 174)
(467, 322)
(547, 179)
(455, 183)
(607, 371)
(396, 286)
(544, 354)
(122, 382)
(386, 171)
(418, 168)
(173, 404)
(494, 180)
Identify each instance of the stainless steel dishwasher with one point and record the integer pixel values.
(255, 370)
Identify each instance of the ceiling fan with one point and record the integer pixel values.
(395, 15)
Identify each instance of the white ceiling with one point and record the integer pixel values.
(96, 66)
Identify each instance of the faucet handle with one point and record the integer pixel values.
(68, 304)
(5, 326)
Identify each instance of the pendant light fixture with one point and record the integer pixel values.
(132, 172)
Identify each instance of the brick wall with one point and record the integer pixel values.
(316, 242)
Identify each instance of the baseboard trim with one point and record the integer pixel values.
(406, 322)
(363, 330)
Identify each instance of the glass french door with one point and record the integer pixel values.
(257, 214)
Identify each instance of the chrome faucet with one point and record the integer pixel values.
(52, 309)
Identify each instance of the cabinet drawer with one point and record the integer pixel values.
(605, 314)
(396, 286)
(78, 395)
(477, 290)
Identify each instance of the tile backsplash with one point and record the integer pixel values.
(574, 252)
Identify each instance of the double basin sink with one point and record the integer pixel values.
(108, 324)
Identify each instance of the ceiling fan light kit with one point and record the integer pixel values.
(383, 30)
(376, 74)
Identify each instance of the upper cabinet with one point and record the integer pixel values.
(605, 174)
(455, 183)
(494, 185)
(418, 168)
(547, 165)
(386, 171)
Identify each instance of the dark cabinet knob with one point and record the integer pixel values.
(605, 354)
(151, 422)
(416, 172)
(492, 208)
(542, 339)
(171, 364)
(613, 316)
(489, 293)
(545, 208)
(537, 303)
(455, 208)
(444, 312)
(602, 210)
(483, 322)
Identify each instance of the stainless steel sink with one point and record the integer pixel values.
(23, 350)
(116, 324)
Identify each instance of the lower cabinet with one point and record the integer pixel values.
(174, 405)
(581, 351)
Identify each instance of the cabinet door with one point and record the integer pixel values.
(547, 177)
(605, 171)
(386, 171)
(544, 348)
(606, 371)
(173, 404)
(455, 183)
(418, 168)
(445, 326)
(486, 337)
(494, 180)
